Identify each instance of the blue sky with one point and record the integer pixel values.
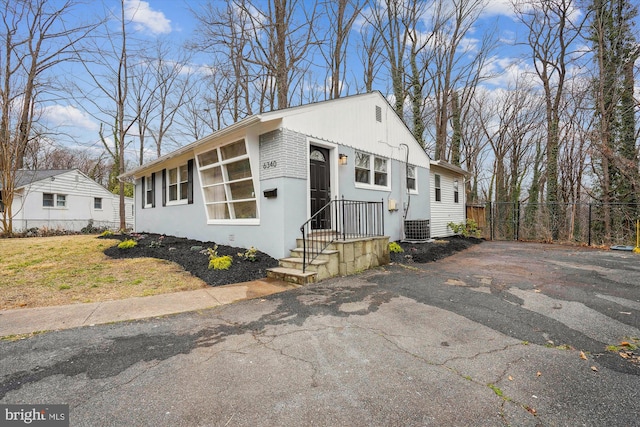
(173, 19)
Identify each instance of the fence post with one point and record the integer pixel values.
(490, 220)
(517, 234)
(344, 233)
(589, 244)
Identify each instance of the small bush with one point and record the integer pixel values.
(394, 247)
(468, 229)
(127, 244)
(220, 263)
(106, 233)
(249, 255)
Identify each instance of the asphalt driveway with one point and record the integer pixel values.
(500, 334)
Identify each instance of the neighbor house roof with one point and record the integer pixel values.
(25, 177)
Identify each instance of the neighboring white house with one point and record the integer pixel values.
(256, 182)
(448, 197)
(64, 199)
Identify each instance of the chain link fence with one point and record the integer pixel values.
(586, 223)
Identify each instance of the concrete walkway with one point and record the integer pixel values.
(29, 320)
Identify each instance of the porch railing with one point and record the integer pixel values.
(346, 219)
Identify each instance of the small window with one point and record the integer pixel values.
(455, 192)
(438, 190)
(411, 178)
(148, 190)
(97, 203)
(362, 168)
(378, 113)
(47, 200)
(371, 170)
(61, 200)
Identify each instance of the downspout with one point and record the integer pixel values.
(406, 176)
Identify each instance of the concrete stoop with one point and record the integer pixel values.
(340, 258)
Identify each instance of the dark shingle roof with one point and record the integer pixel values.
(25, 177)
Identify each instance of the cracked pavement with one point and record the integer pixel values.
(491, 336)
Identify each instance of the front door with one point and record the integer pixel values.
(319, 185)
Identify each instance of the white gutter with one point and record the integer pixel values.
(190, 147)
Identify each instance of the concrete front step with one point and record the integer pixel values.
(324, 255)
(292, 275)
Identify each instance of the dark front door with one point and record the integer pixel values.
(319, 187)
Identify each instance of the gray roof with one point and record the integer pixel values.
(25, 177)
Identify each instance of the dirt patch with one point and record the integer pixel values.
(432, 251)
(192, 255)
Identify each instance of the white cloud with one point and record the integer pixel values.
(68, 115)
(498, 7)
(144, 18)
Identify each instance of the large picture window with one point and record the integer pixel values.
(227, 183)
(371, 170)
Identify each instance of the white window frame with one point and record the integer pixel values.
(181, 199)
(456, 191)
(59, 201)
(415, 179)
(148, 189)
(437, 184)
(226, 183)
(372, 162)
(96, 199)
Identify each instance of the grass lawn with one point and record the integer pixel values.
(46, 271)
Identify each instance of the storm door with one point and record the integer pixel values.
(319, 186)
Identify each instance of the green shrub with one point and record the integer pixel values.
(127, 244)
(106, 233)
(249, 255)
(220, 263)
(470, 228)
(395, 248)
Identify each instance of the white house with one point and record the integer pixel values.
(64, 199)
(448, 203)
(258, 181)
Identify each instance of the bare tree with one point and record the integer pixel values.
(553, 28)
(107, 61)
(35, 39)
(280, 41)
(341, 15)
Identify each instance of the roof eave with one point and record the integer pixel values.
(450, 167)
(190, 147)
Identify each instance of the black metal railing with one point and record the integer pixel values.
(348, 219)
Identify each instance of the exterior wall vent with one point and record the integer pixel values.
(378, 114)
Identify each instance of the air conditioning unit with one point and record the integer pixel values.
(417, 230)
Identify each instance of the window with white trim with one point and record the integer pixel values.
(50, 200)
(456, 196)
(227, 183)
(97, 203)
(178, 184)
(438, 189)
(412, 183)
(371, 170)
(148, 191)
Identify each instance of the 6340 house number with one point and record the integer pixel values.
(269, 165)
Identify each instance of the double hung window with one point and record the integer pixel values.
(371, 170)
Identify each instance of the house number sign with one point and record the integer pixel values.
(269, 165)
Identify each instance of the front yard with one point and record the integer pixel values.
(48, 271)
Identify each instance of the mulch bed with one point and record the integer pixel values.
(193, 257)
